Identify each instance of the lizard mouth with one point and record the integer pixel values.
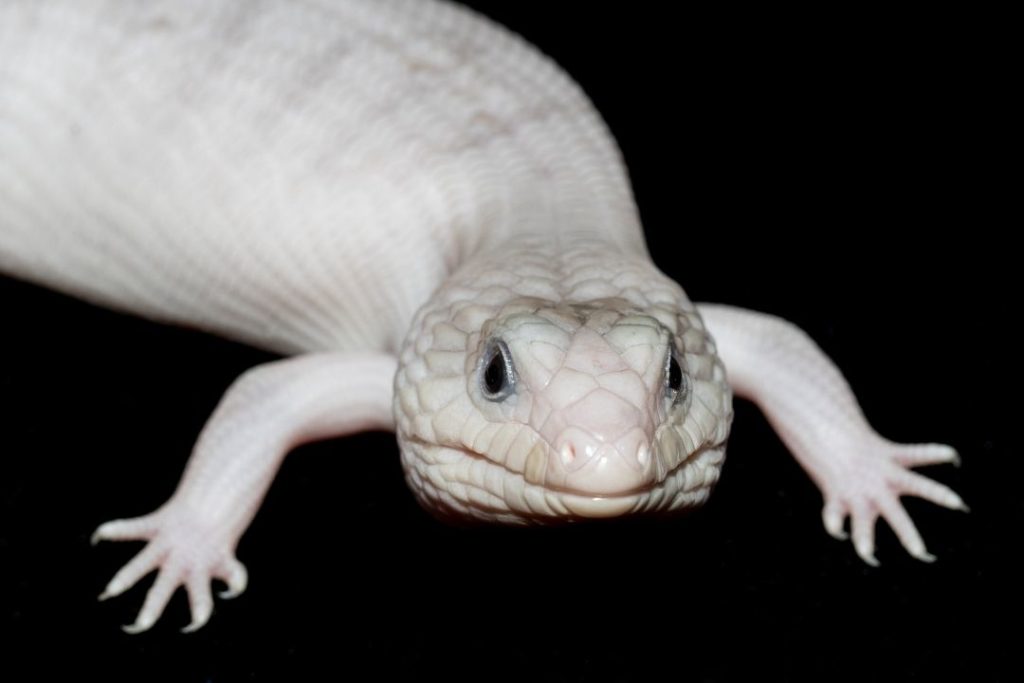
(478, 487)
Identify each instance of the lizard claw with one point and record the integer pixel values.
(872, 488)
(833, 515)
(184, 554)
(236, 577)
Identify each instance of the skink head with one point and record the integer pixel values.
(529, 410)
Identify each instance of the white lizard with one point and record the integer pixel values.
(433, 221)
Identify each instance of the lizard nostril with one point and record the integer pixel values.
(568, 453)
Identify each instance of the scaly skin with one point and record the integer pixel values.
(589, 336)
(395, 193)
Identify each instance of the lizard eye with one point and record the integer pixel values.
(675, 380)
(497, 378)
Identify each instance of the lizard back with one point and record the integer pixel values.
(298, 176)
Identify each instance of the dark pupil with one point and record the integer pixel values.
(675, 375)
(494, 374)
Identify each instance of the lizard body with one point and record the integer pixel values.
(432, 222)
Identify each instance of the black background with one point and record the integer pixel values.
(844, 170)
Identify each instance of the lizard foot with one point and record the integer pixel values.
(869, 485)
(185, 553)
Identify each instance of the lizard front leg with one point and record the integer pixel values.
(268, 411)
(805, 397)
